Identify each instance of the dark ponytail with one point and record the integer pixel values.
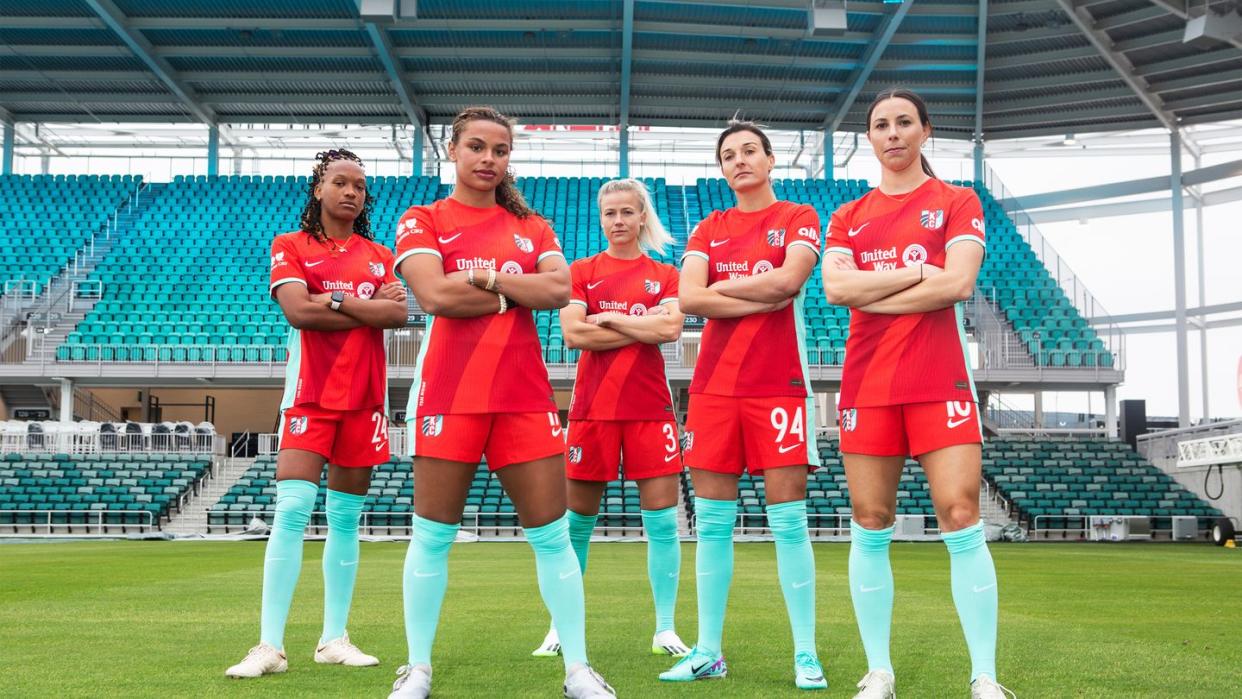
(508, 196)
(919, 106)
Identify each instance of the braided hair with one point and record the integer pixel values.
(508, 196)
(311, 222)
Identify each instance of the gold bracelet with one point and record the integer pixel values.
(491, 279)
(504, 304)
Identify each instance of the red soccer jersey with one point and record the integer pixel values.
(491, 363)
(917, 357)
(760, 354)
(626, 383)
(334, 369)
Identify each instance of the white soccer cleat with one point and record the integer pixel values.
(413, 682)
(877, 684)
(263, 659)
(339, 651)
(551, 646)
(987, 688)
(669, 643)
(583, 682)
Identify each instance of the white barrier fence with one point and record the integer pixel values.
(77, 522)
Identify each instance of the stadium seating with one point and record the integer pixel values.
(46, 218)
(117, 488)
(1057, 484)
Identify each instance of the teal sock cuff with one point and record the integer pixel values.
(580, 523)
(714, 519)
(787, 514)
(551, 537)
(661, 525)
(295, 500)
(343, 509)
(964, 540)
(873, 540)
(434, 535)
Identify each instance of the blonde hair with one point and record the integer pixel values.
(653, 236)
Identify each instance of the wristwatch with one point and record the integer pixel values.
(338, 297)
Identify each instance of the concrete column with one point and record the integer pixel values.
(416, 168)
(1039, 409)
(1203, 340)
(978, 155)
(1179, 280)
(828, 173)
(6, 163)
(624, 154)
(1110, 411)
(213, 150)
(66, 400)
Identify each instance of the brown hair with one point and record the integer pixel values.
(919, 106)
(311, 222)
(735, 126)
(508, 196)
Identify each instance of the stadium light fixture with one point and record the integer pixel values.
(826, 18)
(1205, 30)
(387, 10)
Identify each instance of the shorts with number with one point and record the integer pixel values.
(349, 438)
(728, 435)
(598, 450)
(503, 438)
(912, 429)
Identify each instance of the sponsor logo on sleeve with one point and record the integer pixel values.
(810, 233)
(278, 260)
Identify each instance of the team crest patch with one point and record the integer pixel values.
(297, 424)
(932, 218)
(432, 425)
(914, 254)
(687, 441)
(377, 268)
(575, 455)
(849, 419)
(523, 244)
(652, 286)
(776, 237)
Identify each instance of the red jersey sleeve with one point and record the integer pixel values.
(839, 239)
(803, 229)
(577, 284)
(286, 263)
(697, 245)
(390, 266)
(549, 244)
(416, 235)
(965, 220)
(669, 288)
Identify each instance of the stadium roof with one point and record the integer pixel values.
(1048, 66)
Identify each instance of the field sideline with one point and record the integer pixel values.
(162, 619)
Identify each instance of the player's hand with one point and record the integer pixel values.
(603, 319)
(930, 271)
(781, 304)
(463, 276)
(321, 299)
(392, 291)
(841, 263)
(657, 311)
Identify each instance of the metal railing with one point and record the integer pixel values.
(1161, 448)
(96, 522)
(269, 442)
(95, 442)
(1092, 521)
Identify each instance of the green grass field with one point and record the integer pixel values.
(156, 619)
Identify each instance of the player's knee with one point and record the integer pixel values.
(959, 515)
(873, 519)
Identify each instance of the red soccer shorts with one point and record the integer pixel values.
(349, 438)
(726, 434)
(912, 429)
(504, 438)
(598, 449)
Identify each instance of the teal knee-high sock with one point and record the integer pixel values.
(580, 529)
(282, 561)
(713, 567)
(795, 565)
(560, 585)
(340, 560)
(974, 594)
(871, 589)
(663, 563)
(424, 581)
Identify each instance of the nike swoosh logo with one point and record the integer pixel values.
(957, 423)
(786, 450)
(421, 574)
(700, 668)
(718, 243)
(984, 588)
(312, 264)
(346, 564)
(864, 588)
(568, 574)
(669, 458)
(446, 241)
(804, 583)
(855, 231)
(672, 575)
(817, 678)
(592, 286)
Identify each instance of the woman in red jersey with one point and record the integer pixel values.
(622, 307)
(893, 257)
(478, 262)
(750, 401)
(337, 288)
